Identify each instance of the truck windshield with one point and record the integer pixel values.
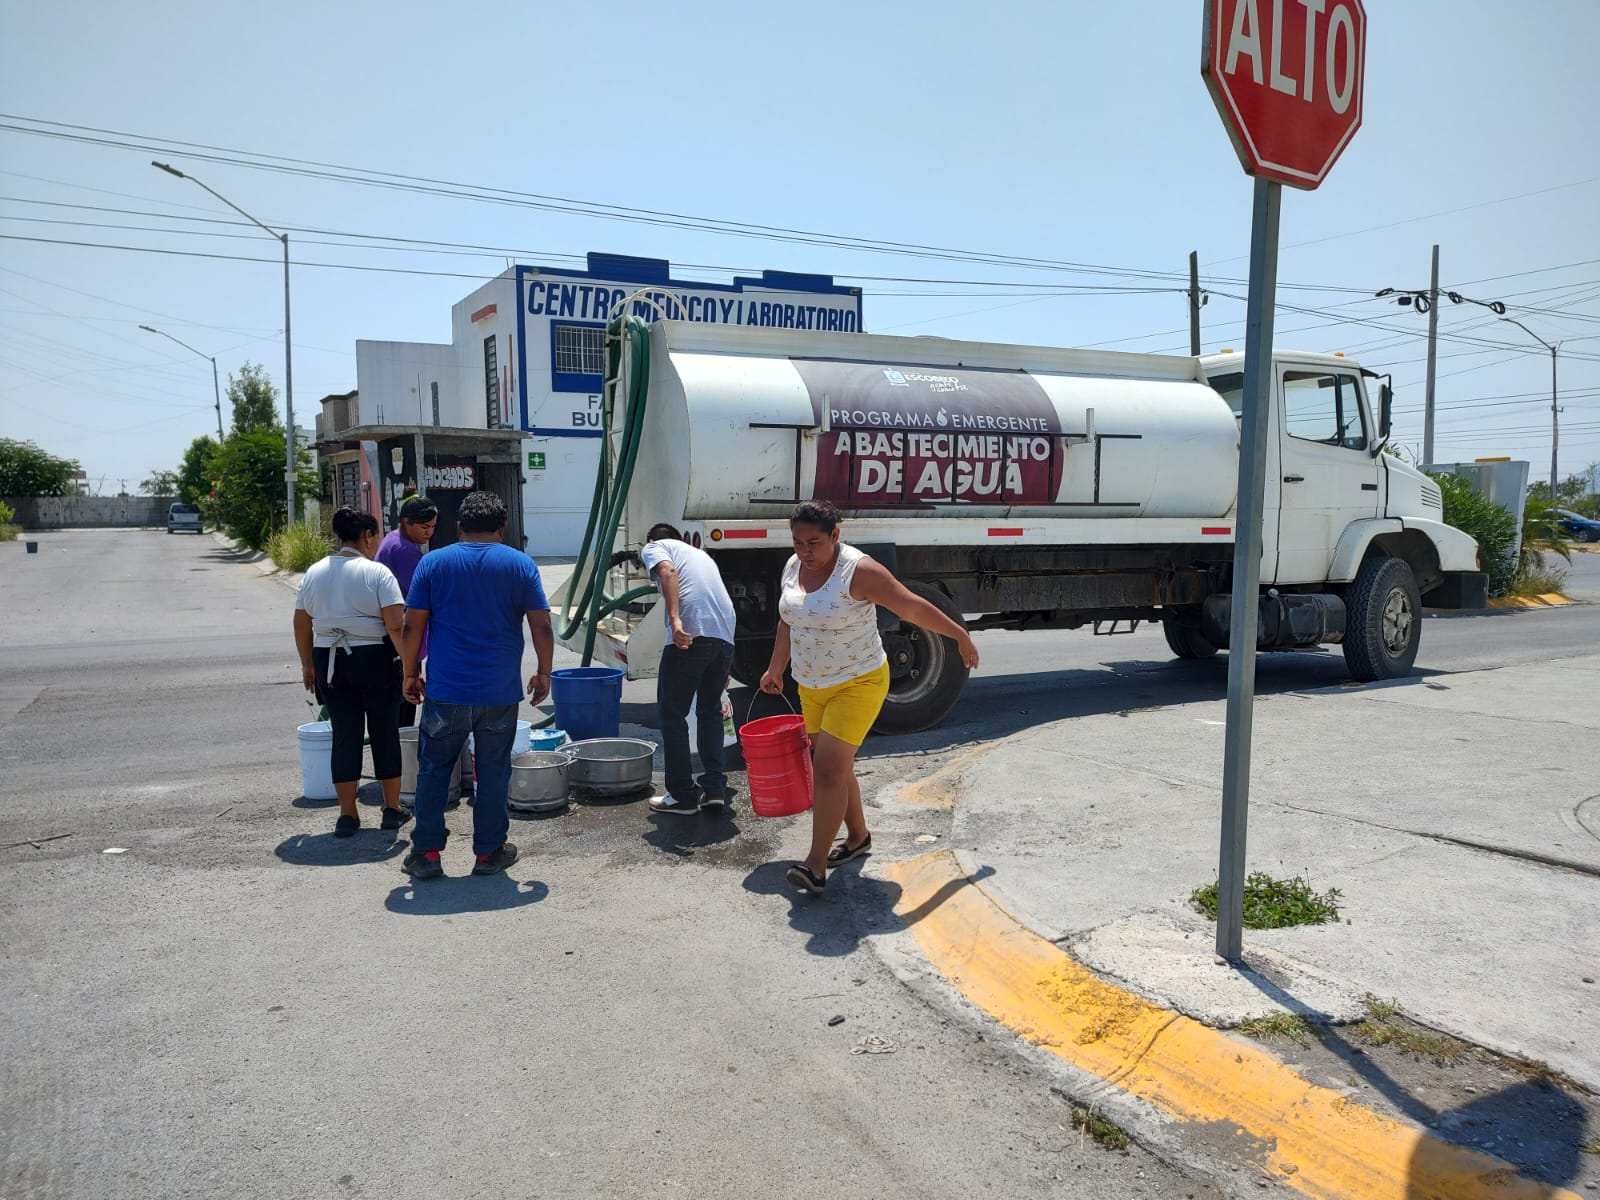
(1231, 388)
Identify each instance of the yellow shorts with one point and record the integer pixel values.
(846, 710)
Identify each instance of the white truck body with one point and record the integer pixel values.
(1027, 486)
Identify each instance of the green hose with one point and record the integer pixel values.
(627, 336)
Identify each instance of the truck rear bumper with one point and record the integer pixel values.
(1459, 589)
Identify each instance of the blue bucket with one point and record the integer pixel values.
(588, 701)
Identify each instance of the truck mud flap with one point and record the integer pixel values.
(1459, 589)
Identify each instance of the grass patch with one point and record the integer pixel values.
(1107, 1133)
(1279, 1025)
(1275, 903)
(1536, 575)
(1384, 1026)
(8, 533)
(295, 547)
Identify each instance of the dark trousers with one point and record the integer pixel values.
(441, 739)
(697, 675)
(363, 702)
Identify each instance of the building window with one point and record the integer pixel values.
(350, 486)
(491, 383)
(577, 356)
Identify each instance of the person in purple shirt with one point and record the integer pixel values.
(401, 551)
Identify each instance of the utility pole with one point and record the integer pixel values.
(1195, 301)
(1555, 411)
(1428, 301)
(1433, 357)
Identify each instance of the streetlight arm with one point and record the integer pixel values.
(1532, 334)
(180, 341)
(171, 170)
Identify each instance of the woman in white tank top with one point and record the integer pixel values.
(828, 635)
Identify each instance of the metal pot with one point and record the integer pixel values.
(611, 766)
(539, 781)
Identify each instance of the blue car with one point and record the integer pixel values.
(1579, 529)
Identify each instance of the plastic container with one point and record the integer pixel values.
(547, 739)
(777, 756)
(316, 761)
(408, 768)
(588, 701)
(519, 745)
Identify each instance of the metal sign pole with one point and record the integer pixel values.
(1259, 379)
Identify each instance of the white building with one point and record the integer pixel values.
(526, 354)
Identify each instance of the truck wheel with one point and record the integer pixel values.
(1385, 620)
(1185, 640)
(750, 661)
(926, 673)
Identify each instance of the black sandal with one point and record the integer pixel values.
(800, 875)
(844, 852)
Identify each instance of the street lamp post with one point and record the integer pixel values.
(216, 387)
(1555, 412)
(288, 362)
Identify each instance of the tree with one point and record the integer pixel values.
(250, 497)
(26, 470)
(160, 483)
(195, 477)
(254, 399)
(1571, 489)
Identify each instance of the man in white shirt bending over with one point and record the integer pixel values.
(694, 667)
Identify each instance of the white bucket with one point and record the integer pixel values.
(316, 761)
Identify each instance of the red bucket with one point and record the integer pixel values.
(777, 755)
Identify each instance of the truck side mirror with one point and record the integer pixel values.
(1385, 410)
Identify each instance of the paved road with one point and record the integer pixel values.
(241, 1006)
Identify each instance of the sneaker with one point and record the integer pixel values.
(346, 827)
(394, 818)
(423, 864)
(670, 804)
(493, 864)
(715, 801)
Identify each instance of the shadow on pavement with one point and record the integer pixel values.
(683, 835)
(324, 850)
(1535, 1125)
(854, 907)
(995, 706)
(453, 896)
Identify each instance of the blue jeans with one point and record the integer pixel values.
(699, 675)
(442, 734)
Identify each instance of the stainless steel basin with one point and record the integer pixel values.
(611, 766)
(540, 780)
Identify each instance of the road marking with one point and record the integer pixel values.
(1318, 1141)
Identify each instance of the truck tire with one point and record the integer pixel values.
(1186, 640)
(926, 673)
(1385, 620)
(750, 661)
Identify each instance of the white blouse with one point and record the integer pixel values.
(833, 637)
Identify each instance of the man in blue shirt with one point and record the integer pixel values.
(471, 600)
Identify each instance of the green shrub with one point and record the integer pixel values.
(1492, 527)
(295, 547)
(8, 530)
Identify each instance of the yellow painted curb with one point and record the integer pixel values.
(929, 791)
(1548, 600)
(1316, 1140)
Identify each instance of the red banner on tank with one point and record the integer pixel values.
(902, 435)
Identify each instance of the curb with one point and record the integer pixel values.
(1548, 600)
(259, 560)
(1178, 1084)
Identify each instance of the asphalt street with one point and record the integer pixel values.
(205, 994)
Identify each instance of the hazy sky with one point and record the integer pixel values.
(1069, 131)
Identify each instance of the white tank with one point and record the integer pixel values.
(742, 423)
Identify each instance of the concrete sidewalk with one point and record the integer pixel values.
(1458, 815)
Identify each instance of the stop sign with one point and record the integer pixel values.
(1286, 75)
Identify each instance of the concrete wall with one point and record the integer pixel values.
(395, 381)
(89, 512)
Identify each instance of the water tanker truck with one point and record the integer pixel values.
(1015, 487)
